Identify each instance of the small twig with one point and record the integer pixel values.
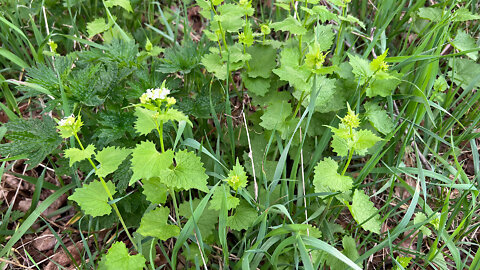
(12, 262)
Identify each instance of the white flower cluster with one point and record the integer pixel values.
(153, 94)
(67, 121)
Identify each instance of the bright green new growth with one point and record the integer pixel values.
(93, 199)
(220, 193)
(118, 258)
(327, 179)
(69, 126)
(147, 162)
(75, 154)
(347, 138)
(364, 212)
(237, 177)
(154, 223)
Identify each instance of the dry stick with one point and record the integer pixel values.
(12, 262)
(250, 155)
(201, 253)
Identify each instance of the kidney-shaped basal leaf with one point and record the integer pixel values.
(118, 258)
(188, 173)
(147, 162)
(75, 154)
(243, 218)
(110, 158)
(93, 198)
(154, 223)
(362, 209)
(327, 179)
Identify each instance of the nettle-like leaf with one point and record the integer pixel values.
(188, 173)
(244, 217)
(327, 179)
(364, 212)
(220, 193)
(110, 158)
(98, 26)
(93, 198)
(154, 223)
(147, 162)
(155, 190)
(32, 138)
(75, 154)
(379, 118)
(206, 222)
(290, 24)
(118, 258)
(125, 4)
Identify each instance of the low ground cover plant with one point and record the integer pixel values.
(243, 134)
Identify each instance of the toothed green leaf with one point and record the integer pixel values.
(118, 258)
(93, 198)
(154, 224)
(110, 158)
(362, 209)
(75, 154)
(327, 179)
(147, 162)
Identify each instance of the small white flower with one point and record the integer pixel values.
(67, 121)
(154, 94)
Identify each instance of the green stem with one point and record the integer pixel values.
(350, 154)
(114, 206)
(160, 134)
(175, 206)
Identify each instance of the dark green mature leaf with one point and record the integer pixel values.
(243, 218)
(263, 61)
(32, 138)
